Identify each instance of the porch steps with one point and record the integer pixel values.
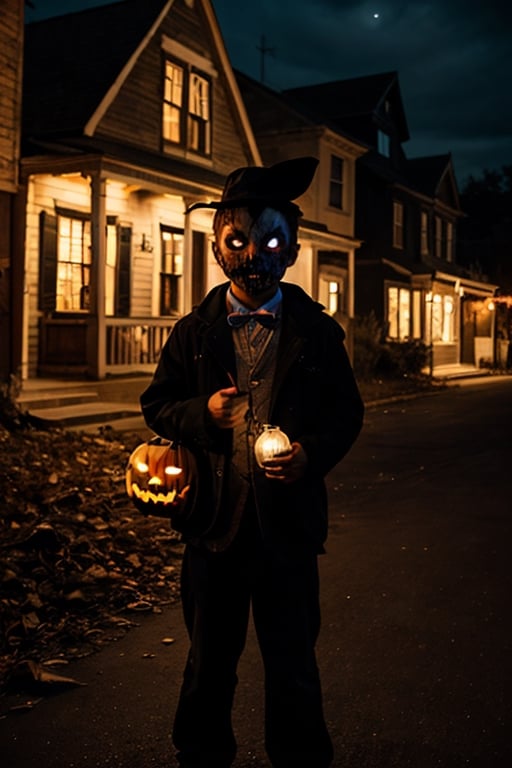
(83, 405)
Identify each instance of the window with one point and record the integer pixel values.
(439, 237)
(383, 143)
(331, 293)
(171, 270)
(336, 183)
(449, 241)
(398, 313)
(424, 233)
(416, 314)
(65, 264)
(398, 225)
(173, 102)
(73, 264)
(441, 317)
(186, 118)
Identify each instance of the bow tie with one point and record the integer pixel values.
(266, 319)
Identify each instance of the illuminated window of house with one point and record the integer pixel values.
(383, 143)
(448, 326)
(424, 233)
(336, 183)
(441, 318)
(171, 270)
(186, 118)
(199, 114)
(398, 225)
(73, 264)
(331, 293)
(439, 237)
(398, 313)
(173, 102)
(416, 315)
(449, 241)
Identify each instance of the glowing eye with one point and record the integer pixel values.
(236, 242)
(141, 467)
(273, 244)
(173, 471)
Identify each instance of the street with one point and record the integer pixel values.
(415, 649)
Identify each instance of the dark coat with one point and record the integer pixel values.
(314, 400)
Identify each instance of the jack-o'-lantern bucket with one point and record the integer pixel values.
(161, 478)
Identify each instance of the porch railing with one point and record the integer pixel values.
(134, 344)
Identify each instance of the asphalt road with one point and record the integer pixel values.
(415, 650)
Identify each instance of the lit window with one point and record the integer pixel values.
(199, 114)
(336, 183)
(186, 118)
(331, 293)
(399, 313)
(173, 102)
(73, 264)
(398, 225)
(171, 270)
(440, 318)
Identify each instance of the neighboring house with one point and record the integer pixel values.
(11, 261)
(131, 113)
(326, 263)
(406, 216)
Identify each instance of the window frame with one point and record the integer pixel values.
(192, 110)
(337, 182)
(398, 224)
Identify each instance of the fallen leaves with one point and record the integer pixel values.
(78, 563)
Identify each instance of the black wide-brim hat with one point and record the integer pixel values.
(277, 184)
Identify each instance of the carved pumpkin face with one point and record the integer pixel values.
(160, 477)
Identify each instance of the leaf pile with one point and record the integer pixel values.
(77, 561)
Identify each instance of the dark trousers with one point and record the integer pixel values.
(217, 592)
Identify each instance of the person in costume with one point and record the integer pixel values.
(256, 351)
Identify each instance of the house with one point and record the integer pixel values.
(406, 217)
(131, 113)
(11, 269)
(326, 266)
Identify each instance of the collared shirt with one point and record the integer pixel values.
(272, 305)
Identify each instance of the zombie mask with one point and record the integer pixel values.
(254, 248)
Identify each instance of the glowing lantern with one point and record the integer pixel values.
(160, 478)
(271, 443)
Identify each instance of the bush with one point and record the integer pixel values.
(373, 356)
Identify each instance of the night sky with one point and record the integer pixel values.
(453, 57)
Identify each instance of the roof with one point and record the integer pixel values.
(426, 173)
(343, 100)
(79, 53)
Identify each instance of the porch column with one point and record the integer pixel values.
(96, 341)
(188, 260)
(351, 265)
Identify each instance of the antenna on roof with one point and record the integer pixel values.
(263, 49)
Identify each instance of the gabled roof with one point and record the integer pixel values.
(344, 100)
(434, 176)
(75, 65)
(72, 60)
